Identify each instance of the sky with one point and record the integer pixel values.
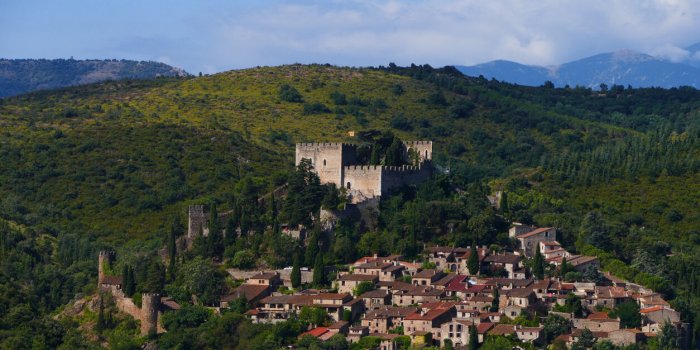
(214, 35)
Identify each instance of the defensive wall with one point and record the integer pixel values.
(150, 311)
(198, 221)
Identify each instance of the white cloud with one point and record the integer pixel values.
(671, 52)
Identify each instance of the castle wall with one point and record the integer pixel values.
(363, 181)
(424, 149)
(198, 221)
(327, 159)
(150, 303)
(395, 177)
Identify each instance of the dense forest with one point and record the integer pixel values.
(115, 165)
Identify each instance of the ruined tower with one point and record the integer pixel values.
(196, 222)
(104, 259)
(150, 304)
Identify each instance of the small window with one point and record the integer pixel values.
(324, 162)
(348, 185)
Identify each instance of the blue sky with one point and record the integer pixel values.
(212, 36)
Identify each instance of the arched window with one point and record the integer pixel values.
(348, 185)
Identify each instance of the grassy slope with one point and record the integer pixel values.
(118, 158)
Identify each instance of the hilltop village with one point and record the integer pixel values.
(535, 295)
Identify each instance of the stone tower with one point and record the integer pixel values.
(150, 303)
(196, 222)
(104, 259)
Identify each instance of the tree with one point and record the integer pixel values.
(319, 278)
(394, 154)
(172, 252)
(296, 273)
(473, 262)
(128, 282)
(573, 305)
(100, 325)
(289, 94)
(496, 300)
(594, 231)
(312, 249)
(564, 268)
(629, 315)
(155, 280)
(586, 340)
(216, 240)
(538, 265)
(473, 338)
(231, 225)
(363, 288)
(555, 325)
(668, 337)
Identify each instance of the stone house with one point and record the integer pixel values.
(429, 320)
(384, 319)
(348, 283)
(625, 337)
(376, 299)
(253, 294)
(416, 295)
(660, 314)
(597, 322)
(610, 296)
(271, 279)
(503, 262)
(529, 242)
(529, 334)
(427, 277)
(457, 331)
(522, 297)
(386, 271)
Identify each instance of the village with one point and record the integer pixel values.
(533, 291)
(452, 298)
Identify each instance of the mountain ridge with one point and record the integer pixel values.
(18, 76)
(622, 67)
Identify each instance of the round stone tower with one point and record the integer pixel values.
(150, 303)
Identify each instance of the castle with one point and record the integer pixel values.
(152, 305)
(337, 163)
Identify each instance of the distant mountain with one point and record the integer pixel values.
(623, 67)
(18, 76)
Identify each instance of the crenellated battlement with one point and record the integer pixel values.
(325, 145)
(417, 142)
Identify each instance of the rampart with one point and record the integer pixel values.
(198, 221)
(327, 159)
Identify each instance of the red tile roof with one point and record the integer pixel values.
(534, 232)
(316, 332)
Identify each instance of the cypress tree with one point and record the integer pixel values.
(100, 318)
(473, 262)
(374, 157)
(311, 249)
(538, 265)
(130, 288)
(318, 275)
(473, 338)
(496, 302)
(296, 272)
(564, 268)
(230, 238)
(172, 252)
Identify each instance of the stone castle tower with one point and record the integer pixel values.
(150, 304)
(337, 163)
(197, 222)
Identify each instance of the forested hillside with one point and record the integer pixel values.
(113, 164)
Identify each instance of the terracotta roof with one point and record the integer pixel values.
(394, 268)
(428, 273)
(250, 291)
(483, 327)
(534, 232)
(600, 316)
(316, 332)
(520, 292)
(503, 259)
(551, 243)
(458, 284)
(431, 315)
(332, 296)
(364, 260)
(358, 277)
(390, 311)
(338, 325)
(377, 293)
(264, 275)
(445, 280)
(651, 309)
(502, 329)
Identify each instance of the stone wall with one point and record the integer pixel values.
(363, 182)
(327, 159)
(394, 177)
(198, 221)
(423, 148)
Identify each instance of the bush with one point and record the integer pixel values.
(315, 108)
(289, 94)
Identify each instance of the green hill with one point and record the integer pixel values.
(110, 164)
